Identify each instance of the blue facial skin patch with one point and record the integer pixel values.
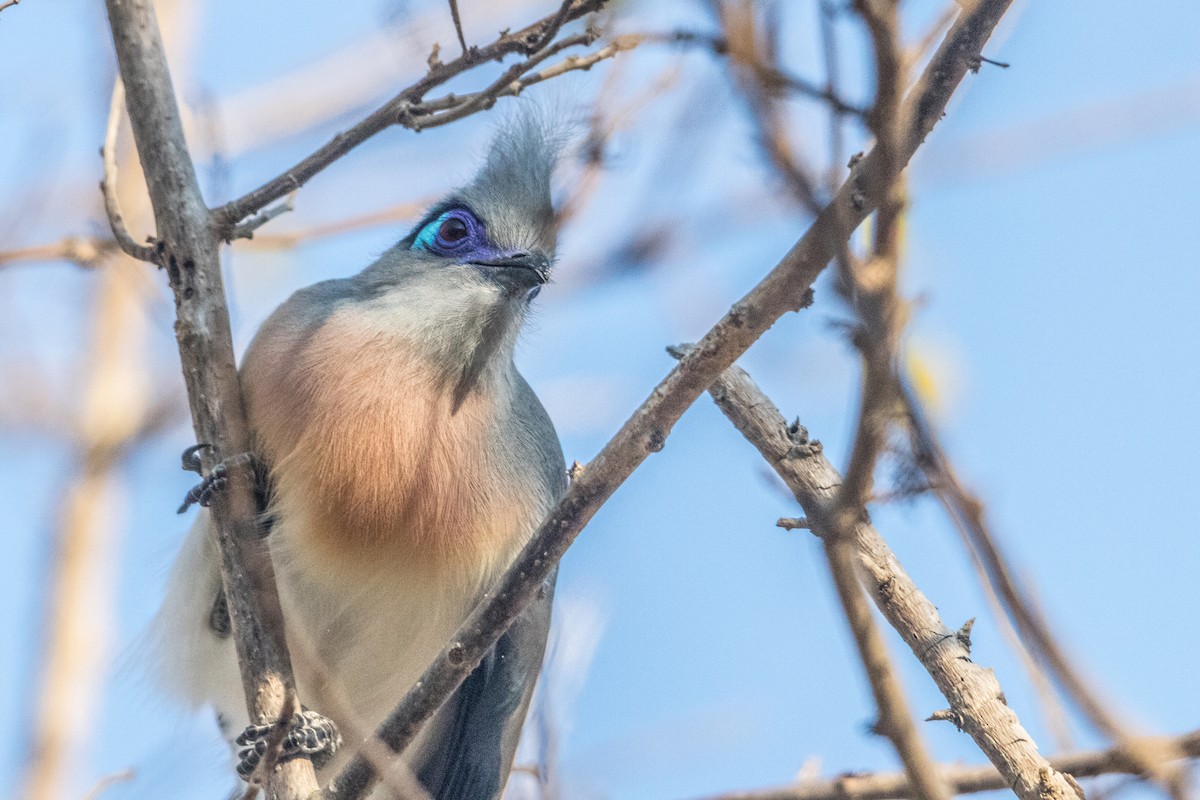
(429, 233)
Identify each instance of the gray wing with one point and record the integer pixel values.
(472, 758)
(481, 723)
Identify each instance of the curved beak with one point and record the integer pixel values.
(517, 270)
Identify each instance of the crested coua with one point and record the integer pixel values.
(405, 462)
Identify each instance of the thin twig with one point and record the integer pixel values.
(245, 230)
(967, 512)
(786, 288)
(83, 251)
(873, 282)
(551, 30)
(879, 329)
(746, 44)
(402, 108)
(108, 186)
(964, 779)
(873, 287)
(397, 775)
(774, 76)
(108, 781)
(829, 49)
(608, 116)
(977, 704)
(457, 107)
(462, 40)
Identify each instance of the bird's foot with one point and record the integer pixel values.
(309, 734)
(216, 480)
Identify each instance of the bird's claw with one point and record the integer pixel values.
(309, 734)
(217, 480)
(191, 457)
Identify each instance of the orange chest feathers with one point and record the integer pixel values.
(367, 459)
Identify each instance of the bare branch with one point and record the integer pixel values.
(967, 512)
(977, 703)
(108, 186)
(187, 246)
(8, 3)
(965, 780)
(786, 287)
(404, 107)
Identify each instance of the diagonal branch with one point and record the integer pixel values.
(977, 704)
(786, 288)
(187, 247)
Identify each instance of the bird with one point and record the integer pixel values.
(403, 462)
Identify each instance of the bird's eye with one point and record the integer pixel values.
(453, 230)
(452, 233)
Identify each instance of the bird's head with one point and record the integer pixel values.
(495, 235)
(465, 275)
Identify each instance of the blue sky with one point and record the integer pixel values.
(1051, 247)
